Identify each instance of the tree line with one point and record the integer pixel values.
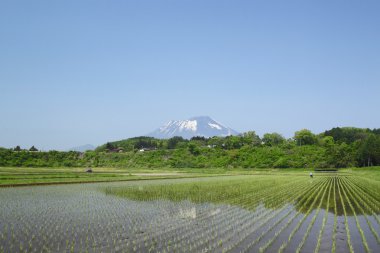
(335, 148)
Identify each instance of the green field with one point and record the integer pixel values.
(261, 211)
(10, 176)
(17, 176)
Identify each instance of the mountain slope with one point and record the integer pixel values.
(196, 126)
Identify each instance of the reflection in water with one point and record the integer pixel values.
(271, 193)
(82, 218)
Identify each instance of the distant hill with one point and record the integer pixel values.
(83, 148)
(196, 126)
(340, 147)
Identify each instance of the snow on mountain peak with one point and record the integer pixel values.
(196, 126)
(188, 125)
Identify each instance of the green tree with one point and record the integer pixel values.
(175, 141)
(233, 142)
(369, 151)
(251, 138)
(273, 139)
(109, 146)
(304, 137)
(347, 134)
(17, 148)
(327, 141)
(194, 149)
(33, 149)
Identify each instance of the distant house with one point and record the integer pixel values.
(117, 150)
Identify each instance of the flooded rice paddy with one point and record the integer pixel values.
(328, 213)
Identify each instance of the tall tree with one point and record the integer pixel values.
(109, 146)
(251, 138)
(369, 151)
(273, 139)
(304, 137)
(33, 148)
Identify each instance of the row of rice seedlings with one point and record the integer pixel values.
(232, 223)
(298, 191)
(370, 188)
(279, 231)
(371, 204)
(187, 233)
(315, 190)
(175, 192)
(166, 232)
(345, 219)
(271, 216)
(47, 231)
(368, 184)
(196, 232)
(138, 233)
(365, 201)
(230, 227)
(351, 190)
(235, 226)
(356, 218)
(196, 238)
(367, 193)
(300, 222)
(333, 248)
(100, 234)
(314, 218)
(332, 185)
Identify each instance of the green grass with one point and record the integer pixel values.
(13, 176)
(16, 176)
(32, 176)
(229, 190)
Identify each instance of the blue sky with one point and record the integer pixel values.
(77, 72)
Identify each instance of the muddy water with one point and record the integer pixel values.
(326, 240)
(341, 236)
(371, 240)
(311, 241)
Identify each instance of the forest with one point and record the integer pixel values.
(335, 148)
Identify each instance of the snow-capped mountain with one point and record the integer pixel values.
(196, 126)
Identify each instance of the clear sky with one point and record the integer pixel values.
(74, 72)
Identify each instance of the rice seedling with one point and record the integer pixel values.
(349, 243)
(316, 250)
(333, 249)
(355, 198)
(356, 218)
(218, 214)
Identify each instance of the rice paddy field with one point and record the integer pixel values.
(269, 212)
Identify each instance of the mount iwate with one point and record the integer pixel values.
(196, 126)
